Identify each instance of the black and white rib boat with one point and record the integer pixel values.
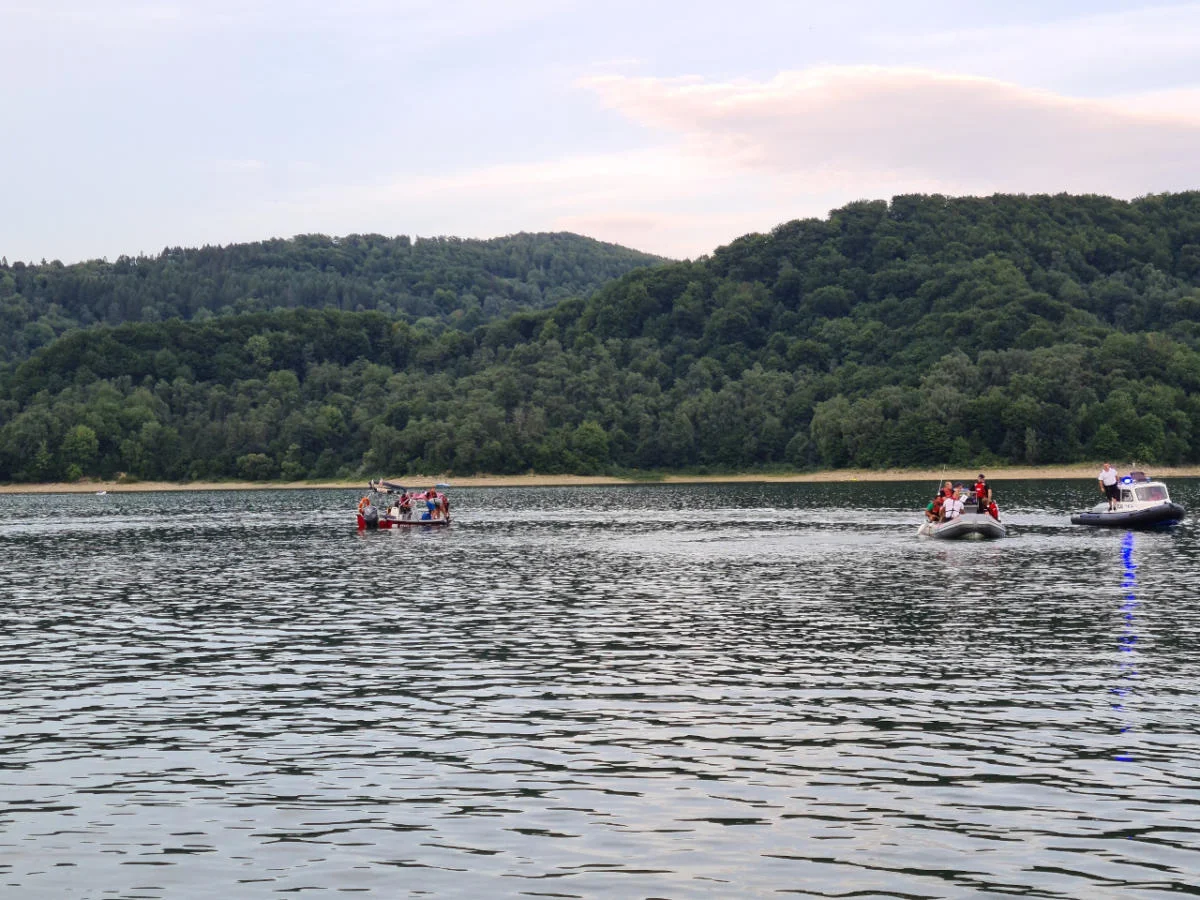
(1144, 503)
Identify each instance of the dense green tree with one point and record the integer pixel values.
(453, 282)
(926, 331)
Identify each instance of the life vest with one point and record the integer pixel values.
(981, 490)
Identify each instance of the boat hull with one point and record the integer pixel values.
(384, 523)
(967, 527)
(1164, 515)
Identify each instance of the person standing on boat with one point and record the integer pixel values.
(983, 493)
(947, 490)
(1109, 487)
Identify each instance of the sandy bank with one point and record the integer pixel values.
(838, 475)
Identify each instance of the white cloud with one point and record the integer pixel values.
(731, 157)
(281, 116)
(874, 125)
(1173, 103)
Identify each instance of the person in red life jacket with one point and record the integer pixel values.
(983, 493)
(947, 490)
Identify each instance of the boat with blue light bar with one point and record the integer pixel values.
(1143, 503)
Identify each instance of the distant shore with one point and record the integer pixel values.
(1003, 473)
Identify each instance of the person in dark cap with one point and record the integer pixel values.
(983, 493)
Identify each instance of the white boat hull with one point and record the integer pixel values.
(968, 526)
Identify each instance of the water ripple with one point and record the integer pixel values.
(750, 690)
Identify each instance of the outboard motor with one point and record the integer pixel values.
(370, 516)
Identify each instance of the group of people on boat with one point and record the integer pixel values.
(953, 500)
(1130, 501)
(436, 506)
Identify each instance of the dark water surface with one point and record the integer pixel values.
(701, 691)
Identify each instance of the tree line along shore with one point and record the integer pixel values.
(847, 476)
(913, 334)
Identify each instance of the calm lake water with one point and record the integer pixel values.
(664, 691)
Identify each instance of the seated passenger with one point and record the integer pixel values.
(933, 510)
(952, 508)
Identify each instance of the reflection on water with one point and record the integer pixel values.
(1127, 642)
(649, 691)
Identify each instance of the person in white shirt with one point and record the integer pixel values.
(952, 508)
(1108, 486)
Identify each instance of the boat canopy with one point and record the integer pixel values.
(385, 487)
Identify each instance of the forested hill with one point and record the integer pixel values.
(463, 282)
(921, 332)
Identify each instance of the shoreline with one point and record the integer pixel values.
(1086, 472)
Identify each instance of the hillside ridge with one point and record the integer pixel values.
(912, 333)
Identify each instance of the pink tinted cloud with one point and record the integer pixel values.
(724, 159)
(883, 125)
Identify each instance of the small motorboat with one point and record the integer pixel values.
(970, 524)
(408, 508)
(1144, 503)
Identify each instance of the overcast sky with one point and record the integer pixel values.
(671, 126)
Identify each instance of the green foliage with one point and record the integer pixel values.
(927, 331)
(454, 282)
